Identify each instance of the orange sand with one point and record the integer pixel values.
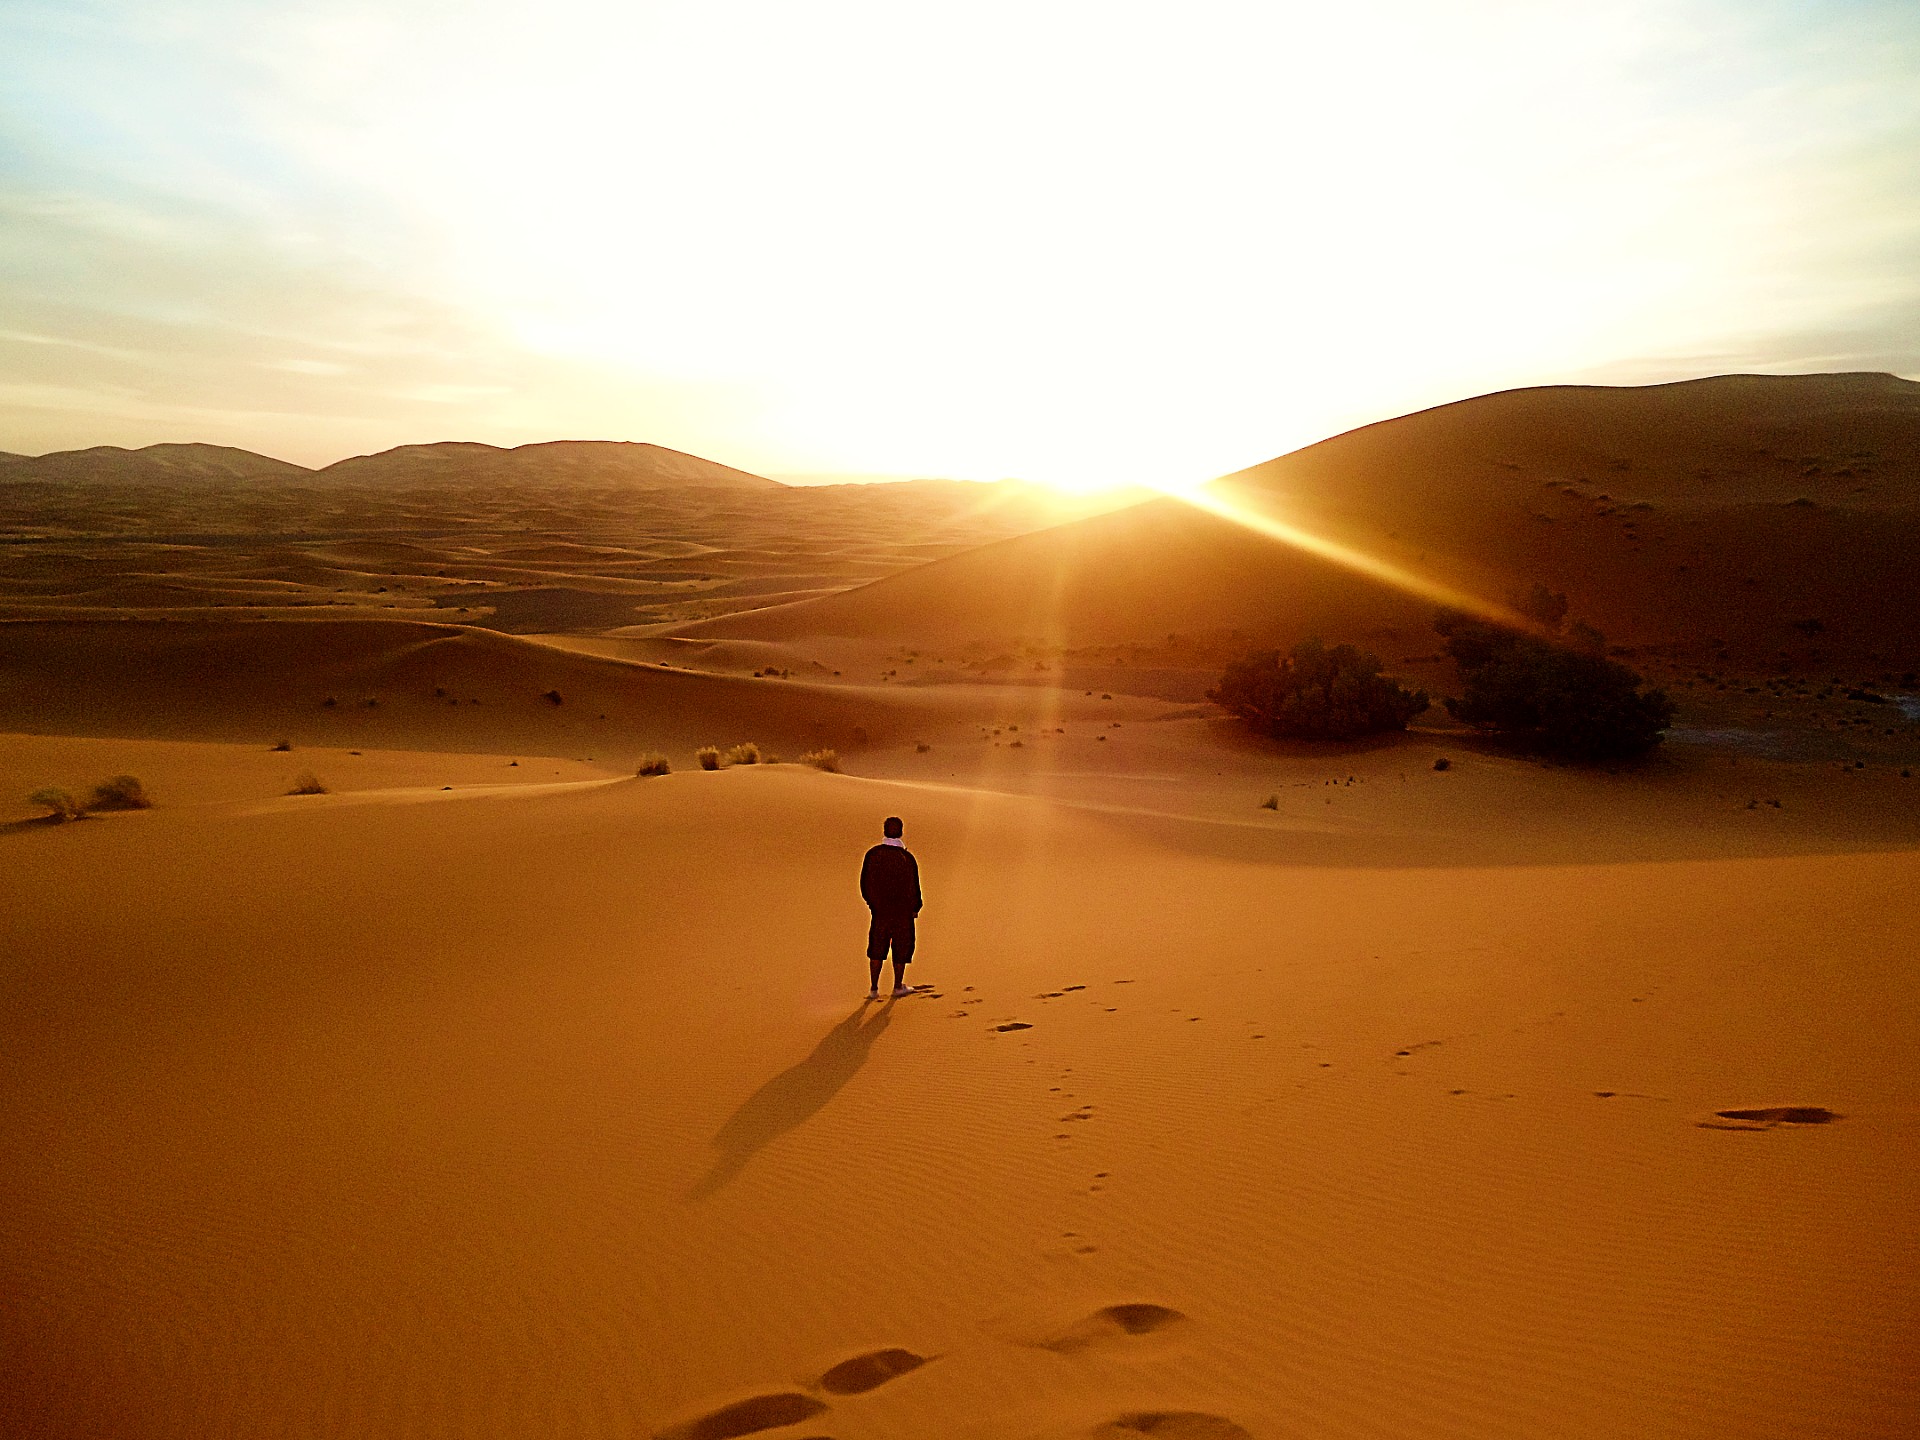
(555, 1111)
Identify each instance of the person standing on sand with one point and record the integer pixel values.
(890, 884)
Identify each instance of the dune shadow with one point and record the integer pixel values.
(38, 822)
(794, 1096)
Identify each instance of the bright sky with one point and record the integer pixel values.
(1078, 242)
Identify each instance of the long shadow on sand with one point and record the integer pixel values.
(793, 1097)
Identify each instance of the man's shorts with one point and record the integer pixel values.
(890, 930)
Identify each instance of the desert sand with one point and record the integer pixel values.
(500, 1091)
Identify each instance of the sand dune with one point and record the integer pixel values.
(560, 1114)
(1768, 502)
(511, 552)
(152, 464)
(372, 683)
(575, 462)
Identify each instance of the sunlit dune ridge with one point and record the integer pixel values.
(1244, 510)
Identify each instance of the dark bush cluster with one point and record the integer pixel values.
(1316, 693)
(1559, 695)
(122, 792)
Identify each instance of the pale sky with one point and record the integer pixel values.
(1077, 242)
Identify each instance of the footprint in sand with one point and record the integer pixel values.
(1109, 1325)
(1767, 1117)
(746, 1417)
(870, 1371)
(1170, 1425)
(853, 1376)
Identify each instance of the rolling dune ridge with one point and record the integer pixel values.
(1734, 509)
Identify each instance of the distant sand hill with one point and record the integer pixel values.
(569, 461)
(160, 463)
(581, 462)
(1754, 510)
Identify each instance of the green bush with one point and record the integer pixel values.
(1563, 698)
(1316, 693)
(122, 792)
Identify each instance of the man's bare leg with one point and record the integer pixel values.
(873, 982)
(899, 975)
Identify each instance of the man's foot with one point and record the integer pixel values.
(874, 994)
(903, 990)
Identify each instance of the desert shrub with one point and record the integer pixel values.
(282, 746)
(745, 753)
(60, 804)
(828, 760)
(708, 756)
(1563, 699)
(922, 748)
(653, 765)
(1316, 693)
(307, 783)
(122, 792)
(1272, 802)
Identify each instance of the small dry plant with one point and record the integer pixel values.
(1272, 802)
(122, 792)
(745, 753)
(708, 756)
(307, 783)
(60, 804)
(655, 764)
(828, 760)
(280, 747)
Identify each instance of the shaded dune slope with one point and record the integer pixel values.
(1739, 507)
(404, 685)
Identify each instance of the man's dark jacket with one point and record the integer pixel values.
(890, 881)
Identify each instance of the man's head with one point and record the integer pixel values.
(892, 828)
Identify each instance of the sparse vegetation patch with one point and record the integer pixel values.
(828, 760)
(1556, 692)
(708, 756)
(1316, 693)
(122, 792)
(745, 753)
(307, 783)
(59, 804)
(655, 764)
